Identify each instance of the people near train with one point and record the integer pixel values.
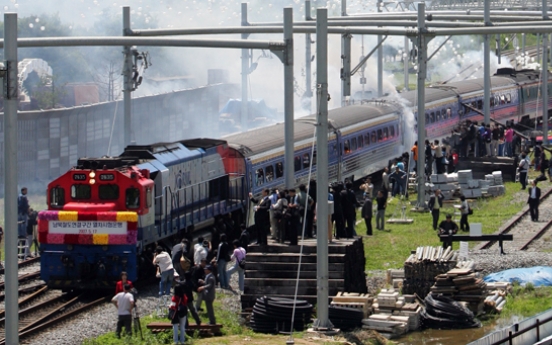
(447, 226)
(508, 140)
(543, 166)
(188, 285)
(399, 178)
(177, 252)
(464, 213)
(124, 280)
(472, 138)
(367, 188)
(222, 259)
(367, 214)
(537, 151)
(438, 156)
(124, 302)
(349, 204)
(312, 209)
(533, 201)
(262, 217)
(488, 138)
(495, 134)
(306, 202)
(481, 151)
(238, 257)
(208, 292)
(294, 225)
(178, 310)
(201, 252)
(414, 151)
(273, 223)
(31, 230)
(453, 161)
(198, 245)
(435, 204)
(282, 215)
(501, 141)
(244, 236)
(164, 261)
(385, 181)
(338, 216)
(198, 280)
(428, 159)
(523, 169)
(22, 214)
(381, 201)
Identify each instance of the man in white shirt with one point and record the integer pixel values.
(164, 261)
(201, 253)
(124, 301)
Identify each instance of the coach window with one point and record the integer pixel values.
(353, 144)
(360, 142)
(449, 113)
(367, 139)
(314, 158)
(279, 170)
(269, 173)
(508, 98)
(374, 138)
(108, 192)
(480, 104)
(492, 102)
(259, 177)
(297, 162)
(347, 147)
(496, 100)
(385, 133)
(438, 115)
(57, 196)
(427, 117)
(306, 160)
(132, 197)
(391, 132)
(148, 198)
(431, 117)
(380, 135)
(80, 191)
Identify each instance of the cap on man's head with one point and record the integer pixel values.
(209, 267)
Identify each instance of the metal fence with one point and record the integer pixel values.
(51, 141)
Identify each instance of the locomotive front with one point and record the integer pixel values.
(90, 232)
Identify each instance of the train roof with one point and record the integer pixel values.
(202, 143)
(523, 75)
(263, 139)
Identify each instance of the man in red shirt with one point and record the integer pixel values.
(124, 280)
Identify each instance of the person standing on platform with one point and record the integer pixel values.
(414, 151)
(385, 181)
(533, 201)
(295, 219)
(367, 214)
(435, 203)
(349, 210)
(273, 221)
(209, 293)
(381, 200)
(262, 218)
(281, 214)
(244, 237)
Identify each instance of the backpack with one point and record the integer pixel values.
(185, 263)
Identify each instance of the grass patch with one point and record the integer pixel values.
(389, 248)
(528, 300)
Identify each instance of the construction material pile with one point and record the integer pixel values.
(496, 296)
(443, 312)
(462, 182)
(462, 285)
(273, 315)
(348, 309)
(394, 315)
(420, 269)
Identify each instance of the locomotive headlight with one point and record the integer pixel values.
(92, 181)
(70, 247)
(92, 174)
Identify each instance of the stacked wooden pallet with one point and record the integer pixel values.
(395, 278)
(420, 269)
(463, 285)
(496, 296)
(354, 300)
(394, 315)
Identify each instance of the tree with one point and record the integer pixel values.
(48, 92)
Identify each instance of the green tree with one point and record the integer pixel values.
(48, 92)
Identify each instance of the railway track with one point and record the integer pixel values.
(523, 237)
(23, 263)
(50, 312)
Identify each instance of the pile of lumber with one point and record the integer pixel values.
(462, 285)
(496, 296)
(420, 269)
(394, 315)
(355, 276)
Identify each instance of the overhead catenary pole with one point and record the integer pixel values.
(544, 78)
(422, 66)
(245, 71)
(346, 68)
(127, 80)
(308, 60)
(487, 68)
(322, 321)
(406, 63)
(380, 58)
(10, 93)
(288, 99)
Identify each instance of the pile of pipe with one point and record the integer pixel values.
(274, 315)
(443, 312)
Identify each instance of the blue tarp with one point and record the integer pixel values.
(538, 276)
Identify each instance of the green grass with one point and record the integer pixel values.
(389, 248)
(526, 301)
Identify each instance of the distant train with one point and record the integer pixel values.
(105, 215)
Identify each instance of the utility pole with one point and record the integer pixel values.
(422, 66)
(487, 67)
(245, 71)
(10, 93)
(289, 135)
(544, 77)
(127, 75)
(308, 54)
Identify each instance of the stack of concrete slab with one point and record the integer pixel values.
(386, 324)
(498, 181)
(393, 315)
(395, 278)
(441, 181)
(354, 300)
